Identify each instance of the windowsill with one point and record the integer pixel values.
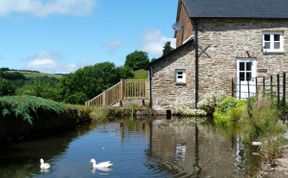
(181, 84)
(272, 52)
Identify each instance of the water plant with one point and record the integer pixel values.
(262, 123)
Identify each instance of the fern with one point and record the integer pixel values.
(25, 107)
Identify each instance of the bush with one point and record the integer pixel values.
(28, 108)
(262, 123)
(6, 87)
(228, 111)
(210, 101)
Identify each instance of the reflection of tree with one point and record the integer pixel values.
(22, 159)
(129, 126)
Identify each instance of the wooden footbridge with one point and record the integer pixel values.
(130, 89)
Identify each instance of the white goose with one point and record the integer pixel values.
(43, 165)
(100, 166)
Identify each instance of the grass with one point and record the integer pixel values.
(31, 75)
(89, 113)
(140, 74)
(262, 123)
(26, 116)
(259, 120)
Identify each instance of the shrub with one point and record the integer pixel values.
(262, 123)
(210, 101)
(28, 108)
(6, 87)
(229, 110)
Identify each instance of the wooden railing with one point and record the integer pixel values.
(125, 89)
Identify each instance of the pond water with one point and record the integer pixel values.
(158, 148)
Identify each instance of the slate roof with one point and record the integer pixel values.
(246, 9)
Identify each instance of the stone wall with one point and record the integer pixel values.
(166, 94)
(229, 40)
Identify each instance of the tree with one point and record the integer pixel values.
(137, 60)
(167, 48)
(6, 87)
(90, 81)
(41, 86)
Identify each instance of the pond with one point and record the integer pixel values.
(137, 148)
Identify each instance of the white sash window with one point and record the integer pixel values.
(273, 42)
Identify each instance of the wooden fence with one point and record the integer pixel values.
(125, 89)
(273, 86)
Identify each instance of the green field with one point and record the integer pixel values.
(140, 74)
(30, 75)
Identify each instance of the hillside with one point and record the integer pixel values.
(35, 74)
(140, 74)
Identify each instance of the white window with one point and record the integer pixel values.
(273, 42)
(180, 76)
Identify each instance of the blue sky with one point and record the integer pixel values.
(59, 36)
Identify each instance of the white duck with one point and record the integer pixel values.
(100, 166)
(43, 165)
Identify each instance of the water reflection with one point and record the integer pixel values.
(137, 148)
(22, 159)
(186, 148)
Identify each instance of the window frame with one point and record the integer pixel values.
(182, 80)
(272, 42)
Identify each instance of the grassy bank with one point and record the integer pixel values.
(257, 120)
(29, 116)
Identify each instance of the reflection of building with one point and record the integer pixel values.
(187, 148)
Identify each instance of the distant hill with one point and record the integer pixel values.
(13, 74)
(140, 74)
(30, 75)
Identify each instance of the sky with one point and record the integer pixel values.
(61, 36)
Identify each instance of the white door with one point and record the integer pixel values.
(246, 77)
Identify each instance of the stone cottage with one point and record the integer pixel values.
(218, 41)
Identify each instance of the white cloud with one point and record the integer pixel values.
(49, 62)
(154, 40)
(47, 7)
(42, 63)
(114, 44)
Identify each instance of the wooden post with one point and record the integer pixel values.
(264, 85)
(232, 88)
(239, 88)
(104, 99)
(256, 87)
(121, 92)
(278, 91)
(284, 91)
(271, 86)
(248, 89)
(150, 88)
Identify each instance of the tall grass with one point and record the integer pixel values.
(88, 113)
(262, 123)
